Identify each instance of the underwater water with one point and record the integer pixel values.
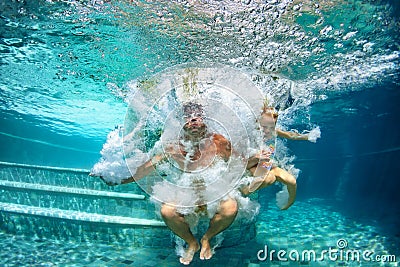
(67, 72)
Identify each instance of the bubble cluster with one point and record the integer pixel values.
(168, 109)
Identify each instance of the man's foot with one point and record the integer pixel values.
(205, 252)
(187, 258)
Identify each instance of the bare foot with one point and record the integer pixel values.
(206, 252)
(187, 258)
(255, 184)
(245, 190)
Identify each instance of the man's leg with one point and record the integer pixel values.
(176, 222)
(224, 217)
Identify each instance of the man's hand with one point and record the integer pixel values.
(109, 183)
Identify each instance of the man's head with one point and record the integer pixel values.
(194, 120)
(192, 109)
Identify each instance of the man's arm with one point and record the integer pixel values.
(223, 146)
(144, 170)
(291, 135)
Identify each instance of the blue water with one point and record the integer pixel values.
(66, 68)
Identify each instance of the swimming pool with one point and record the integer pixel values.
(67, 68)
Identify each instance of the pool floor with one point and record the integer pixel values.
(306, 226)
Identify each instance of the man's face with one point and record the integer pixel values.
(194, 125)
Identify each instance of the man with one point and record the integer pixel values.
(204, 148)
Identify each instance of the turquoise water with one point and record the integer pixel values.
(67, 68)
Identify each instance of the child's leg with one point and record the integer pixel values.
(263, 178)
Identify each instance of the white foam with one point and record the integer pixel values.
(112, 166)
(187, 190)
(314, 134)
(282, 197)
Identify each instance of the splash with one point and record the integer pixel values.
(282, 197)
(112, 166)
(326, 47)
(314, 134)
(153, 126)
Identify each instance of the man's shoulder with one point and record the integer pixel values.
(171, 148)
(218, 137)
(221, 141)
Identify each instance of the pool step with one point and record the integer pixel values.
(77, 215)
(68, 190)
(62, 177)
(68, 204)
(73, 198)
(27, 166)
(71, 189)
